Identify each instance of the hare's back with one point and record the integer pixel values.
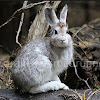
(34, 49)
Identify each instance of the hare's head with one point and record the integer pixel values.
(59, 37)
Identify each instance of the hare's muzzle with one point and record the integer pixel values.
(62, 40)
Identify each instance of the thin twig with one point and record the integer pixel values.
(94, 28)
(90, 27)
(85, 81)
(85, 93)
(81, 40)
(23, 8)
(75, 34)
(83, 52)
(20, 24)
(84, 26)
(80, 97)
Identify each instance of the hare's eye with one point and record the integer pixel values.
(56, 32)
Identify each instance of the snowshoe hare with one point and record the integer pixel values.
(39, 63)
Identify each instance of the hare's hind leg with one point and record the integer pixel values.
(53, 85)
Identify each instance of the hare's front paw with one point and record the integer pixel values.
(59, 85)
(53, 85)
(66, 87)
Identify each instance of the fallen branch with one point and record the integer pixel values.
(85, 81)
(21, 9)
(21, 22)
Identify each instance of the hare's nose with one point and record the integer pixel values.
(62, 40)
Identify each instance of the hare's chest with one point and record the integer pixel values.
(61, 60)
(60, 65)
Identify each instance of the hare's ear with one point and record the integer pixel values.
(63, 14)
(51, 16)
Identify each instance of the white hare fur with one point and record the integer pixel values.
(39, 63)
